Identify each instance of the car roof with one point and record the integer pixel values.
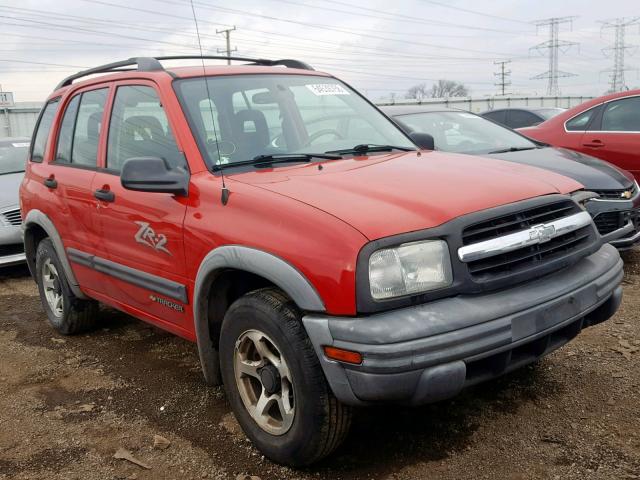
(186, 72)
(396, 110)
(526, 109)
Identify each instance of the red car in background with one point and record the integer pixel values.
(607, 127)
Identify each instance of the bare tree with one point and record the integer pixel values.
(417, 92)
(448, 88)
(440, 89)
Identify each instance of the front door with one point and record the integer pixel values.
(142, 248)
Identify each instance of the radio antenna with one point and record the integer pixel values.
(225, 191)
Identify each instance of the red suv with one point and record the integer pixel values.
(320, 261)
(607, 127)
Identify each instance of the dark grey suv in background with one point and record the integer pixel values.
(616, 209)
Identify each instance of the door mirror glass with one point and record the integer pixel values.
(423, 140)
(153, 174)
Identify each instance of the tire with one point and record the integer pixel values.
(71, 315)
(319, 422)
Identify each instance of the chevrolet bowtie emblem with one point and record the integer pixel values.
(626, 194)
(543, 233)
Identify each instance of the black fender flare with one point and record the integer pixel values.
(36, 217)
(271, 267)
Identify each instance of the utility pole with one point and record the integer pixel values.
(228, 50)
(504, 75)
(554, 46)
(618, 51)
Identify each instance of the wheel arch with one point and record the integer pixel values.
(37, 226)
(225, 274)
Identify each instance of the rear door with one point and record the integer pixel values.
(141, 247)
(615, 136)
(72, 206)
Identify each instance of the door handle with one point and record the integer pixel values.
(50, 182)
(104, 195)
(594, 144)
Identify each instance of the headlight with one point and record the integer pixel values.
(409, 268)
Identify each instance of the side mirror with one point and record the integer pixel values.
(152, 174)
(423, 140)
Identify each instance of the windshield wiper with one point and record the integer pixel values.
(513, 149)
(371, 147)
(261, 161)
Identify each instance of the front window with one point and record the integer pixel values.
(463, 132)
(13, 156)
(238, 118)
(622, 116)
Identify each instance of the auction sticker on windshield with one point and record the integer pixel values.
(328, 89)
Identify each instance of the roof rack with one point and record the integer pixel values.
(152, 64)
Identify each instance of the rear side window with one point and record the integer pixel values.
(140, 128)
(622, 116)
(80, 129)
(65, 137)
(522, 118)
(580, 122)
(42, 130)
(498, 116)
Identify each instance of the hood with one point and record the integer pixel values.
(390, 194)
(9, 187)
(593, 173)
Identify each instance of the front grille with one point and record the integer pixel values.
(528, 257)
(608, 222)
(13, 217)
(617, 194)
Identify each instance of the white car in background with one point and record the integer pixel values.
(13, 157)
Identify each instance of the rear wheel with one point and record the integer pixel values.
(66, 313)
(274, 381)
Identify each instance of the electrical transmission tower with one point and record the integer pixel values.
(618, 51)
(227, 35)
(503, 75)
(554, 46)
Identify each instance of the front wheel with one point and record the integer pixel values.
(274, 381)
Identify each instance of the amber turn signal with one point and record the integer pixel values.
(342, 355)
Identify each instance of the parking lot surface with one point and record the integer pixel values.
(68, 404)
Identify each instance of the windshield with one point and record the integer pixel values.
(241, 117)
(463, 132)
(548, 113)
(13, 156)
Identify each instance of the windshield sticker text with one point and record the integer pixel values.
(327, 89)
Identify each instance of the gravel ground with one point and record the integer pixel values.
(67, 405)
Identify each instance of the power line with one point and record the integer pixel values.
(474, 12)
(554, 46)
(618, 51)
(503, 75)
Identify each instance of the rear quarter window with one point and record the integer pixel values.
(43, 127)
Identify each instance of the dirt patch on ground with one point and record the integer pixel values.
(68, 404)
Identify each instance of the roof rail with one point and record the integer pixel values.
(152, 64)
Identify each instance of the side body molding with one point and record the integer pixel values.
(252, 260)
(36, 217)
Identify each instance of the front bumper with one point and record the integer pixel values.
(628, 234)
(430, 352)
(11, 246)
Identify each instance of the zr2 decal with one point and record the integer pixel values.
(147, 236)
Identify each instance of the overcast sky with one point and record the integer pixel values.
(380, 47)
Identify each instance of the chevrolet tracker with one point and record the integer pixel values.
(317, 256)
